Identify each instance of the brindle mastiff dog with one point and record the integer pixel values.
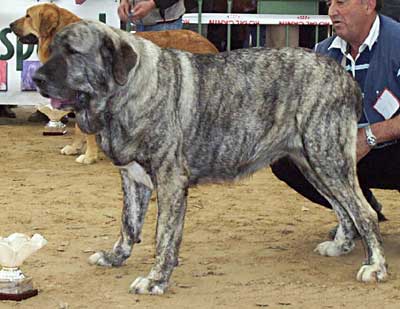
(170, 120)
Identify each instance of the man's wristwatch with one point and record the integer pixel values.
(371, 138)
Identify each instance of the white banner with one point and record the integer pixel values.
(257, 19)
(12, 54)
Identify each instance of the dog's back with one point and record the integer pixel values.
(244, 109)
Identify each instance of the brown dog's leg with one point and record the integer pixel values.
(91, 154)
(77, 143)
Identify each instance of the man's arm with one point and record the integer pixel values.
(143, 8)
(124, 10)
(384, 131)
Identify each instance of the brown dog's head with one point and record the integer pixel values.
(40, 24)
(40, 20)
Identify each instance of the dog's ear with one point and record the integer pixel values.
(123, 59)
(49, 19)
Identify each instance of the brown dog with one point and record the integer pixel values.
(43, 21)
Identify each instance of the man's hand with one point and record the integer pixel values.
(384, 131)
(362, 146)
(142, 9)
(124, 9)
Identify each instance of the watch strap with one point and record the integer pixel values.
(371, 138)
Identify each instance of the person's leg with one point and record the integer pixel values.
(6, 112)
(380, 169)
(287, 171)
(141, 28)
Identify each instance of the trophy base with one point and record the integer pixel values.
(17, 290)
(20, 296)
(54, 128)
(53, 133)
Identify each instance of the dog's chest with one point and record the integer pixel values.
(121, 144)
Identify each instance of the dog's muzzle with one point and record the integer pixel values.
(29, 39)
(80, 102)
(24, 39)
(73, 99)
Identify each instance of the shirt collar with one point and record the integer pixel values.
(372, 37)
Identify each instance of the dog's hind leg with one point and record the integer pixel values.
(343, 242)
(137, 188)
(327, 160)
(350, 207)
(172, 195)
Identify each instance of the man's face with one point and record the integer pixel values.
(349, 17)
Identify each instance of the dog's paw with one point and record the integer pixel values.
(83, 159)
(333, 248)
(372, 273)
(69, 150)
(99, 259)
(147, 286)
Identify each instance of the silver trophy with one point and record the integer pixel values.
(54, 126)
(14, 249)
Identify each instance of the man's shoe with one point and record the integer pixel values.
(6, 112)
(378, 208)
(38, 117)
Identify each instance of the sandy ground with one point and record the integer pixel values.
(246, 245)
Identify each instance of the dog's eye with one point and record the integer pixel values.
(27, 16)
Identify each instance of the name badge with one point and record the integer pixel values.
(387, 104)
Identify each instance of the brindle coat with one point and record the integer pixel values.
(170, 119)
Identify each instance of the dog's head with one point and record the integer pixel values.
(89, 64)
(40, 21)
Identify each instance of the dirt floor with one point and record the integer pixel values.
(246, 245)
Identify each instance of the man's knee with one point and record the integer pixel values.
(286, 171)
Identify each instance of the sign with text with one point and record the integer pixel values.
(15, 87)
(257, 19)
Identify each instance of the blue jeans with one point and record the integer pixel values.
(177, 24)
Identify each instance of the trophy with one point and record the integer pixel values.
(14, 249)
(54, 126)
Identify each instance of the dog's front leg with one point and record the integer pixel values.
(91, 154)
(137, 187)
(77, 143)
(172, 195)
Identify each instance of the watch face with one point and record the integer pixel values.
(371, 141)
